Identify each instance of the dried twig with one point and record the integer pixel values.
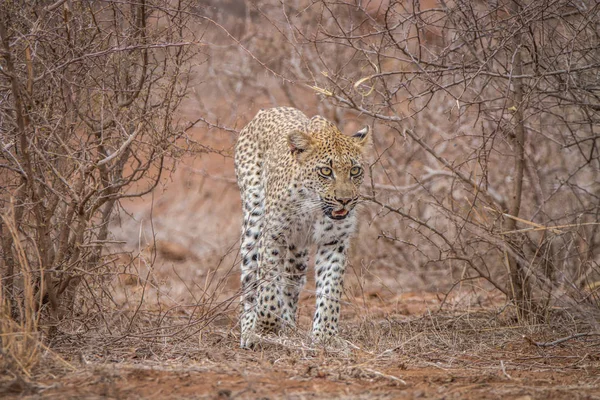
(385, 376)
(561, 340)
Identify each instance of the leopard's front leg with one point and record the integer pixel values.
(330, 265)
(271, 283)
(296, 263)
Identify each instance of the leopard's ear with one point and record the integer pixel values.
(362, 139)
(299, 142)
(363, 136)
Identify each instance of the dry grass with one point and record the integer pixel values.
(19, 319)
(156, 343)
(409, 354)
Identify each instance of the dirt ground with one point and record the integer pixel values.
(223, 382)
(390, 352)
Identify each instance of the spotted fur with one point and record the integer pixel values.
(299, 179)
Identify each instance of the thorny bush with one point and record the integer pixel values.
(89, 94)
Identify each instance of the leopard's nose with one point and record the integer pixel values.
(344, 200)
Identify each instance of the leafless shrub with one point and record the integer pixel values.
(486, 116)
(89, 99)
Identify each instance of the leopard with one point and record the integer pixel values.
(300, 181)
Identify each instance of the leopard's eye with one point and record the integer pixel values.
(325, 171)
(355, 171)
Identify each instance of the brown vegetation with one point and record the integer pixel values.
(477, 267)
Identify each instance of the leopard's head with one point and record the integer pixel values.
(331, 164)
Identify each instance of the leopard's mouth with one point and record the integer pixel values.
(335, 214)
(340, 213)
